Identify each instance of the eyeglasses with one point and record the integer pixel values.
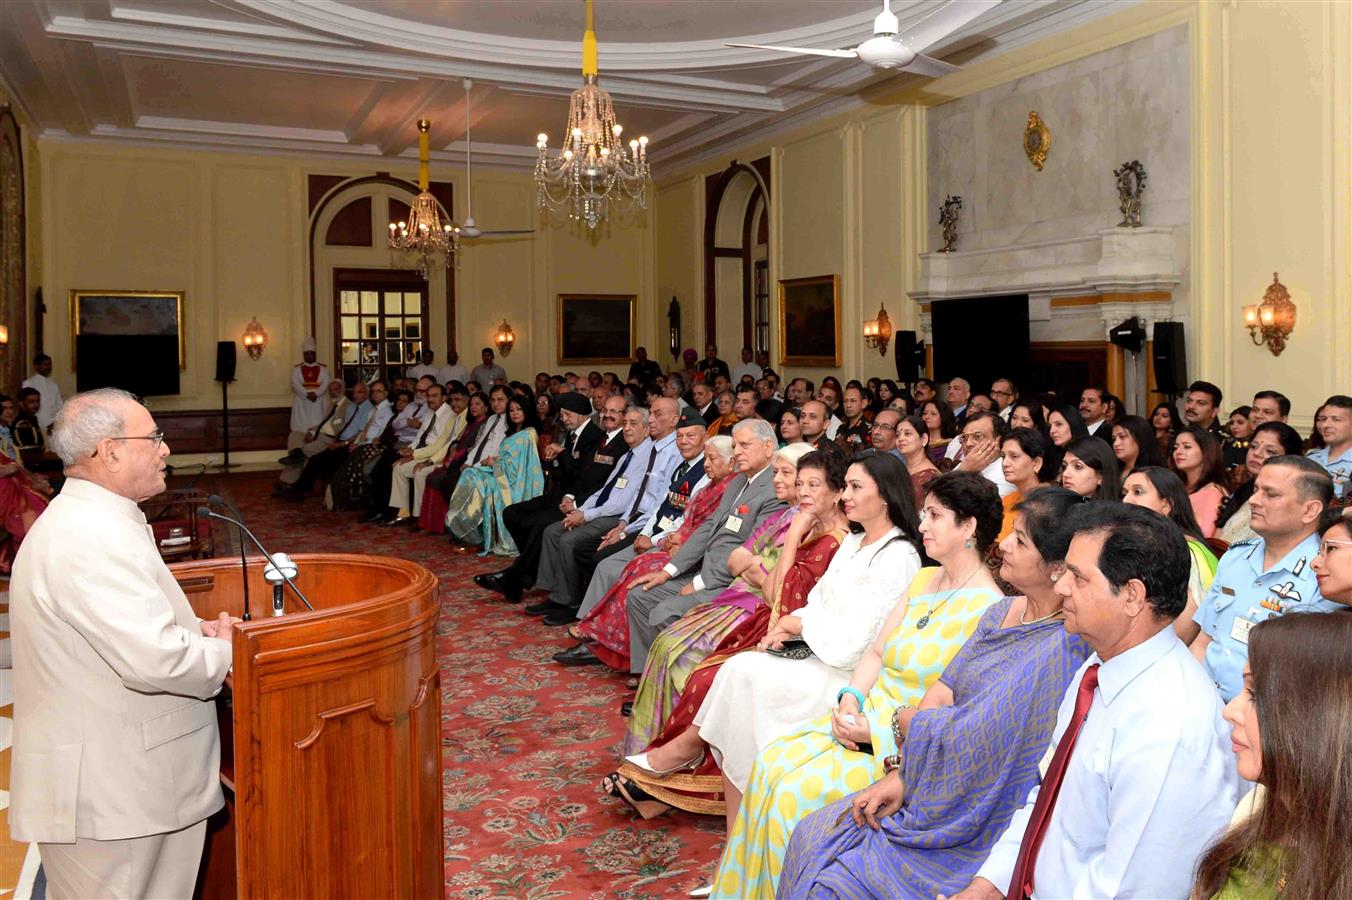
(1326, 546)
(883, 426)
(156, 438)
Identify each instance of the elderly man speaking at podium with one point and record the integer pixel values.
(116, 752)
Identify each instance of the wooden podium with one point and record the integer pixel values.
(330, 732)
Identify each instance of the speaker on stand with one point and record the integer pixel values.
(225, 373)
(1130, 336)
(910, 357)
(1171, 359)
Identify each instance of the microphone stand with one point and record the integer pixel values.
(204, 511)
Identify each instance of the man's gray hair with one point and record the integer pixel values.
(677, 380)
(86, 419)
(762, 429)
(641, 410)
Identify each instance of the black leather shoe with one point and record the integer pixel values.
(627, 708)
(561, 615)
(375, 518)
(543, 608)
(490, 581)
(400, 521)
(581, 655)
(512, 593)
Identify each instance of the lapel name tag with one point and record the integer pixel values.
(1239, 631)
(665, 523)
(1229, 592)
(734, 523)
(621, 483)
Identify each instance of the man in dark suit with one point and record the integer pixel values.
(702, 398)
(699, 570)
(578, 470)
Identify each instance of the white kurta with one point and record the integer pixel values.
(756, 697)
(51, 397)
(307, 413)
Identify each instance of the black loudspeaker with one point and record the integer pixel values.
(905, 347)
(1130, 336)
(1171, 358)
(225, 360)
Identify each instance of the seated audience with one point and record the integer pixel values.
(486, 490)
(441, 479)
(853, 435)
(790, 427)
(362, 429)
(940, 425)
(1161, 490)
(1269, 406)
(1065, 425)
(1333, 563)
(757, 697)
(727, 416)
(1202, 407)
(413, 465)
(1268, 576)
(968, 753)
(1288, 837)
(843, 750)
(979, 448)
(659, 598)
(1027, 460)
(1198, 460)
(1089, 468)
(695, 491)
(913, 448)
(1141, 778)
(23, 496)
(1134, 444)
(785, 571)
(1269, 439)
(1335, 453)
(347, 484)
(1027, 414)
(1235, 437)
(1094, 410)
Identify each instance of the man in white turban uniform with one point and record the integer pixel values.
(310, 404)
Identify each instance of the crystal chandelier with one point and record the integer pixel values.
(424, 239)
(595, 166)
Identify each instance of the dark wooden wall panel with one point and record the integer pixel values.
(352, 226)
(199, 430)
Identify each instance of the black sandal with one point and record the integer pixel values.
(643, 803)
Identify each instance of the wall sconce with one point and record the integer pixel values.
(255, 338)
(505, 338)
(877, 332)
(1272, 320)
(4, 335)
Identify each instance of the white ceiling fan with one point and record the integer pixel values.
(888, 49)
(467, 228)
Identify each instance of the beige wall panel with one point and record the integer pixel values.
(678, 225)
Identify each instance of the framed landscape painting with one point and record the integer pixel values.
(809, 321)
(597, 328)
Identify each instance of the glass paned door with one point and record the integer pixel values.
(381, 325)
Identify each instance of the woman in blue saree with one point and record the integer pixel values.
(968, 754)
(474, 515)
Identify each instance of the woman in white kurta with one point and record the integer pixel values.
(758, 697)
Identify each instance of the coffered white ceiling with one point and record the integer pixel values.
(350, 78)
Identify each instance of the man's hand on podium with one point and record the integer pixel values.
(221, 627)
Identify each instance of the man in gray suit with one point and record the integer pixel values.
(699, 571)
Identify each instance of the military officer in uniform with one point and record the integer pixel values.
(1266, 576)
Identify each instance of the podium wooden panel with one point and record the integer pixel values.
(331, 749)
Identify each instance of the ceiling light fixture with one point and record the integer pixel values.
(424, 238)
(594, 166)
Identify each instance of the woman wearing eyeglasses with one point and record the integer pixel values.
(1333, 565)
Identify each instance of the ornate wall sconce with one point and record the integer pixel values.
(255, 338)
(878, 331)
(505, 338)
(4, 336)
(1271, 321)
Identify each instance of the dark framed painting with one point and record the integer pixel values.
(597, 328)
(809, 321)
(133, 340)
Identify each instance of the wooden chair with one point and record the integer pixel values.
(179, 532)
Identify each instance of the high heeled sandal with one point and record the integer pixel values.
(640, 760)
(639, 800)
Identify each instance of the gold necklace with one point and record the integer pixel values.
(925, 619)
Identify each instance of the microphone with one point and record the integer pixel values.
(244, 529)
(218, 500)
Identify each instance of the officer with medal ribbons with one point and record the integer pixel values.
(1266, 576)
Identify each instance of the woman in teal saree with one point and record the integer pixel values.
(474, 515)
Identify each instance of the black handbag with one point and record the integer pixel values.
(792, 648)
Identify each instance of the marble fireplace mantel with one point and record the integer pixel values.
(1111, 264)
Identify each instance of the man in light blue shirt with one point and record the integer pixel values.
(1266, 576)
(1335, 427)
(1147, 780)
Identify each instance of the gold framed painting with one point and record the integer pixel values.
(129, 339)
(809, 321)
(597, 329)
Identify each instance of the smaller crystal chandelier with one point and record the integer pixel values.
(594, 166)
(423, 238)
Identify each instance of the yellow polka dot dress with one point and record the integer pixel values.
(803, 772)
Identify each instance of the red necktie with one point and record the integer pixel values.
(1021, 885)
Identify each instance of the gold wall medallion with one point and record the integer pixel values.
(1037, 140)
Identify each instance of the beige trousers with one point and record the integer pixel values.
(399, 486)
(154, 867)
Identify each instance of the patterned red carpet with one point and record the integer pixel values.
(525, 740)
